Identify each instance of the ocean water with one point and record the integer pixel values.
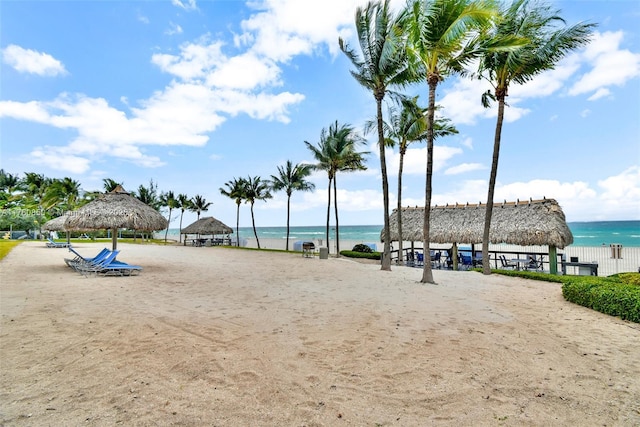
(598, 233)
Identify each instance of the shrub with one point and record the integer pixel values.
(609, 295)
(365, 255)
(360, 247)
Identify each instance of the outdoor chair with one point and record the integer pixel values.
(419, 259)
(91, 267)
(466, 262)
(436, 260)
(79, 258)
(534, 263)
(507, 264)
(53, 244)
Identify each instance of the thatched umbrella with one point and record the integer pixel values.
(57, 224)
(115, 210)
(207, 225)
(526, 223)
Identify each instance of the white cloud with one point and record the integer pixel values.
(195, 60)
(173, 29)
(611, 66)
(185, 4)
(600, 93)
(464, 168)
(31, 61)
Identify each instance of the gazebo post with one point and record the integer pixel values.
(553, 260)
(454, 255)
(114, 238)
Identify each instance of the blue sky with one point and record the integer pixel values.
(194, 93)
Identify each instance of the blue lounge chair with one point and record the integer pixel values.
(53, 244)
(79, 258)
(94, 266)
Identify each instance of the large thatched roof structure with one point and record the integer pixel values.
(207, 225)
(115, 210)
(533, 222)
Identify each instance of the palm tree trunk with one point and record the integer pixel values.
(486, 262)
(400, 168)
(253, 222)
(288, 216)
(238, 225)
(167, 230)
(328, 213)
(386, 254)
(427, 274)
(180, 235)
(335, 207)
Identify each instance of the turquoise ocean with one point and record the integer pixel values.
(596, 233)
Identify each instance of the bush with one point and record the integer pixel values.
(616, 295)
(365, 255)
(360, 247)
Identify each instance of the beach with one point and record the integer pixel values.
(227, 337)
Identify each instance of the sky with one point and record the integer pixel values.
(192, 94)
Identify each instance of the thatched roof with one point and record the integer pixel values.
(55, 224)
(533, 222)
(114, 210)
(207, 225)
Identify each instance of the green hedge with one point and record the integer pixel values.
(617, 295)
(354, 254)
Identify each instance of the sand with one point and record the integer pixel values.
(223, 337)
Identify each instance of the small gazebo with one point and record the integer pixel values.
(523, 223)
(207, 226)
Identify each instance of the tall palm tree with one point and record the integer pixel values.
(440, 43)
(292, 178)
(236, 190)
(169, 201)
(548, 41)
(382, 64)
(8, 182)
(184, 203)
(336, 152)
(406, 125)
(256, 189)
(199, 204)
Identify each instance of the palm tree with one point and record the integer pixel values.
(168, 200)
(110, 185)
(406, 125)
(547, 43)
(383, 64)
(336, 152)
(291, 178)
(35, 186)
(439, 43)
(184, 203)
(8, 182)
(199, 204)
(256, 189)
(236, 190)
(62, 193)
(149, 195)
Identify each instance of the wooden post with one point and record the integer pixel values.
(455, 256)
(553, 260)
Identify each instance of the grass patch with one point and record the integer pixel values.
(6, 246)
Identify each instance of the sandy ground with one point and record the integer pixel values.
(222, 337)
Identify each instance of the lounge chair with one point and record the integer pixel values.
(508, 264)
(79, 258)
(53, 244)
(94, 266)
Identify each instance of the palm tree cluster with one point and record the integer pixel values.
(37, 199)
(430, 40)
